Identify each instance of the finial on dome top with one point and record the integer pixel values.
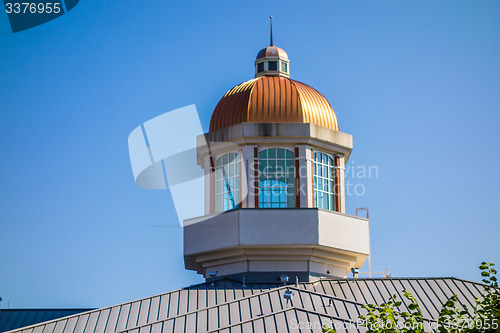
(271, 24)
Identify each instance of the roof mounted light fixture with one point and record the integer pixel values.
(212, 275)
(355, 272)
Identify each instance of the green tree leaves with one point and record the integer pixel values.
(388, 318)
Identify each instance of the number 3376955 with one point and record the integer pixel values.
(33, 8)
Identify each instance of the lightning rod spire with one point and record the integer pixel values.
(271, 25)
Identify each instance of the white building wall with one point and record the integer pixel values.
(342, 184)
(248, 179)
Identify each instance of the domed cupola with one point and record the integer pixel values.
(274, 162)
(272, 60)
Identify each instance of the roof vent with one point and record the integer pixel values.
(288, 295)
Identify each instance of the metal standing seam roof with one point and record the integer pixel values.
(227, 307)
(273, 99)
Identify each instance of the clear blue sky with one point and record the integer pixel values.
(415, 82)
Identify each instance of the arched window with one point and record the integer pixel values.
(227, 182)
(324, 181)
(276, 178)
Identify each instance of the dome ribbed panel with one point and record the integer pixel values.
(273, 99)
(316, 108)
(232, 109)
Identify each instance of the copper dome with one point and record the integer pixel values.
(272, 51)
(273, 99)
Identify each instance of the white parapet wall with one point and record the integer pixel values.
(307, 240)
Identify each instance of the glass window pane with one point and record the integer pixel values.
(283, 196)
(219, 162)
(218, 201)
(260, 67)
(272, 166)
(266, 195)
(227, 182)
(273, 192)
(291, 197)
(276, 176)
(272, 65)
(284, 66)
(262, 166)
(262, 177)
(281, 166)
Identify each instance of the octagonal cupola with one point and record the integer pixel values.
(272, 60)
(274, 163)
